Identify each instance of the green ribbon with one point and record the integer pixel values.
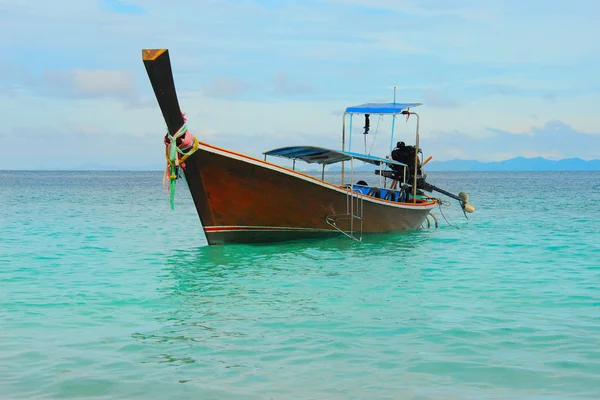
(172, 158)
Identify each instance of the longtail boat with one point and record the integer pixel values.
(243, 199)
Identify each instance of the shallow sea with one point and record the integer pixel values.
(107, 293)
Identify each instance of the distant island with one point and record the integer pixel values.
(514, 164)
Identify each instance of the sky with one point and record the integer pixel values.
(498, 78)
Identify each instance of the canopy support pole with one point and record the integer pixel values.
(343, 143)
(416, 160)
(392, 138)
(350, 135)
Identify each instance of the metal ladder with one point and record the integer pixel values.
(354, 213)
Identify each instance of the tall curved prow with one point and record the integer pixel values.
(180, 143)
(158, 67)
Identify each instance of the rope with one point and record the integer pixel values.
(442, 212)
(441, 203)
(172, 154)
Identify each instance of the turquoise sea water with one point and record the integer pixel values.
(107, 293)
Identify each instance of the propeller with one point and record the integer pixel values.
(464, 199)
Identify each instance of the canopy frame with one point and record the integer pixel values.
(392, 109)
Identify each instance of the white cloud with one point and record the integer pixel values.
(101, 83)
(227, 87)
(434, 98)
(85, 73)
(554, 140)
(89, 84)
(418, 7)
(392, 41)
(283, 84)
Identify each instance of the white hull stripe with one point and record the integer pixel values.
(262, 228)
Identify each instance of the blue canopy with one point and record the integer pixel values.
(321, 155)
(381, 108)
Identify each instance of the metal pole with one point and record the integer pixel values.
(392, 138)
(343, 143)
(416, 161)
(350, 135)
(294, 165)
(394, 95)
(323, 173)
(351, 173)
(352, 194)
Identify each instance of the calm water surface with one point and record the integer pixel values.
(107, 293)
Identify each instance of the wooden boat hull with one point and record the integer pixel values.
(242, 199)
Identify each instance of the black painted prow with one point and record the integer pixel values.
(158, 67)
